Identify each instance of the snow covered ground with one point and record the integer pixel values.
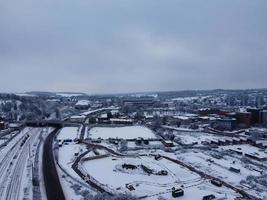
(68, 133)
(108, 169)
(127, 132)
(220, 168)
(66, 156)
(68, 177)
(246, 149)
(104, 170)
(193, 137)
(201, 190)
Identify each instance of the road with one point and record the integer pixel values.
(52, 183)
(86, 177)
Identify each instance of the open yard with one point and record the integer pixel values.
(111, 172)
(68, 133)
(126, 132)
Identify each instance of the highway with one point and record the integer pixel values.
(52, 183)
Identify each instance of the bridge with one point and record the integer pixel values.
(52, 123)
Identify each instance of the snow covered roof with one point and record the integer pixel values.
(77, 116)
(82, 103)
(181, 117)
(168, 141)
(121, 120)
(263, 142)
(69, 94)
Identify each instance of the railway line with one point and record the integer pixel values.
(13, 166)
(7, 163)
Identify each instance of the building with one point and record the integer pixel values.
(209, 197)
(261, 144)
(208, 111)
(259, 101)
(244, 100)
(167, 143)
(138, 141)
(243, 119)
(256, 157)
(231, 100)
(264, 117)
(225, 124)
(183, 120)
(257, 134)
(2, 125)
(236, 140)
(157, 157)
(216, 183)
(77, 118)
(139, 102)
(255, 115)
(235, 170)
(177, 192)
(82, 105)
(121, 121)
(162, 173)
(129, 166)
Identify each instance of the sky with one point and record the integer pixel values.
(115, 46)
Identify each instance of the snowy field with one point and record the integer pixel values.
(68, 133)
(68, 178)
(197, 137)
(220, 168)
(108, 169)
(66, 156)
(246, 149)
(127, 132)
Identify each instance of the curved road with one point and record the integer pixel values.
(52, 184)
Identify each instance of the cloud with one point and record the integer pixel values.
(123, 46)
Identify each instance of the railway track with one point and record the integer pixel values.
(7, 164)
(12, 180)
(14, 186)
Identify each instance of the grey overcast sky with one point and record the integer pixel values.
(106, 46)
